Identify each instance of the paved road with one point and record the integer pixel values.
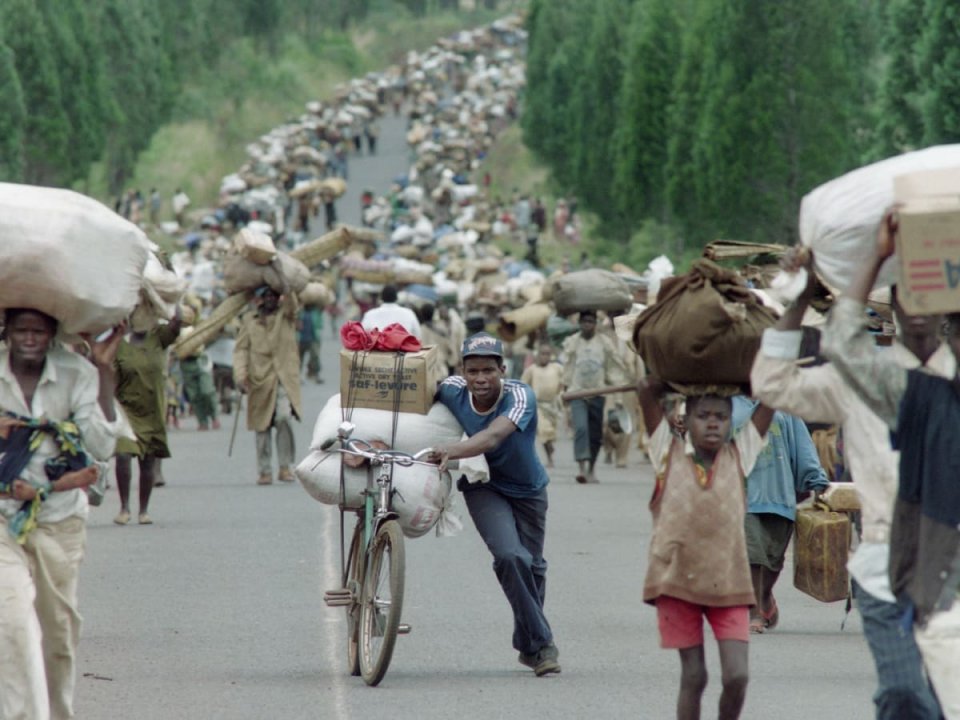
(216, 612)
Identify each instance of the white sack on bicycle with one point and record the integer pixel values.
(414, 432)
(422, 497)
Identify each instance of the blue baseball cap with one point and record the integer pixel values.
(482, 344)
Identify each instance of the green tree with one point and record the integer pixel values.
(79, 68)
(47, 128)
(940, 62)
(777, 116)
(594, 108)
(686, 107)
(900, 125)
(641, 137)
(555, 67)
(12, 119)
(141, 84)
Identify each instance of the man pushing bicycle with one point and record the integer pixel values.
(500, 419)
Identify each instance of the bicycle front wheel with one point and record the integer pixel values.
(381, 602)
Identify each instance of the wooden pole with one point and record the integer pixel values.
(594, 392)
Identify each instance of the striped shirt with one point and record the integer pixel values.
(515, 469)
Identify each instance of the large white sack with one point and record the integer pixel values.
(68, 256)
(159, 295)
(839, 219)
(414, 432)
(421, 492)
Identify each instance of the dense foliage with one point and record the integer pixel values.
(84, 81)
(712, 118)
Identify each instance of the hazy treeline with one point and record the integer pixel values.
(699, 119)
(85, 81)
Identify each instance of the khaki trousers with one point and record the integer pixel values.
(939, 643)
(39, 622)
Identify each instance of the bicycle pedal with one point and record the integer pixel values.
(338, 598)
(404, 629)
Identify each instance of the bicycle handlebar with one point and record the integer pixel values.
(364, 449)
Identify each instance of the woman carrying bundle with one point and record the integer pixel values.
(140, 365)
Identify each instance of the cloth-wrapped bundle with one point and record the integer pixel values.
(589, 290)
(284, 274)
(704, 329)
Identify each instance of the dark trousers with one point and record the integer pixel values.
(587, 418)
(903, 691)
(513, 529)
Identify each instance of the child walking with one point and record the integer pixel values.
(545, 376)
(698, 563)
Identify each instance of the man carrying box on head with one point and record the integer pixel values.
(923, 411)
(822, 394)
(509, 511)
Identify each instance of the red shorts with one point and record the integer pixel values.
(681, 622)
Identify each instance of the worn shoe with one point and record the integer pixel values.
(285, 475)
(543, 661)
(265, 479)
(529, 660)
(122, 518)
(547, 661)
(216, 424)
(144, 519)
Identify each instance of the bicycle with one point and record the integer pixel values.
(373, 569)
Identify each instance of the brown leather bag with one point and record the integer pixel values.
(704, 329)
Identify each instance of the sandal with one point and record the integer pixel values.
(757, 626)
(772, 616)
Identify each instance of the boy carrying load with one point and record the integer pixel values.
(698, 562)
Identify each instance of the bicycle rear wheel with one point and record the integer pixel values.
(381, 602)
(353, 581)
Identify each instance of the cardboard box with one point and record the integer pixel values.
(369, 379)
(928, 241)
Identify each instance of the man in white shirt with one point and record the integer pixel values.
(590, 362)
(820, 394)
(39, 568)
(389, 313)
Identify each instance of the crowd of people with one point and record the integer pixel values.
(730, 471)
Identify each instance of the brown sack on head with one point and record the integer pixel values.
(705, 328)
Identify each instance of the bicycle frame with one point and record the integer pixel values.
(377, 499)
(376, 548)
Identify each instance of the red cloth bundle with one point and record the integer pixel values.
(393, 338)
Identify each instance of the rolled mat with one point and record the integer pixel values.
(523, 321)
(327, 245)
(207, 330)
